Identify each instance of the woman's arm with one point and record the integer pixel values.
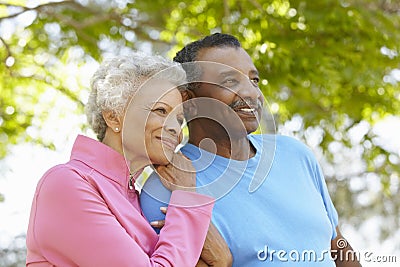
(181, 172)
(71, 224)
(215, 250)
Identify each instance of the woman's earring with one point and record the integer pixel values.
(116, 129)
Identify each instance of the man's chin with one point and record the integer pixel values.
(251, 126)
(251, 131)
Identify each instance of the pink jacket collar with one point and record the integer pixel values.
(102, 158)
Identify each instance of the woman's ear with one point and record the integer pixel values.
(112, 120)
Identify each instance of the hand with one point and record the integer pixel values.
(179, 174)
(215, 250)
(201, 263)
(340, 246)
(159, 224)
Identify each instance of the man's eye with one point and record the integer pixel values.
(255, 80)
(229, 82)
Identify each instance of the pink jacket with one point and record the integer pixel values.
(84, 214)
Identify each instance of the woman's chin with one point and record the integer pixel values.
(163, 158)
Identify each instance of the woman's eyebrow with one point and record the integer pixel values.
(161, 102)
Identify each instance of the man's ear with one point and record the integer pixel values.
(112, 120)
(187, 94)
(189, 106)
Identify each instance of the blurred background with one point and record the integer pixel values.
(330, 71)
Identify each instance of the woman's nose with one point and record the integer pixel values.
(172, 126)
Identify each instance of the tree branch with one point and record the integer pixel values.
(37, 8)
(60, 88)
(7, 47)
(256, 5)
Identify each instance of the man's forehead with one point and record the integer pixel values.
(218, 68)
(214, 69)
(229, 59)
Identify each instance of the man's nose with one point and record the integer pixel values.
(249, 90)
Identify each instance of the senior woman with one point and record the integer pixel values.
(86, 212)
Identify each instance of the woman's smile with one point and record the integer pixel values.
(170, 143)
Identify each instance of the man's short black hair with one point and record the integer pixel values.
(190, 51)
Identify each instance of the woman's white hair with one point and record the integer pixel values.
(118, 78)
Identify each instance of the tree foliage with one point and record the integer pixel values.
(329, 65)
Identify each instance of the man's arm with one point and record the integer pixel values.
(215, 250)
(342, 252)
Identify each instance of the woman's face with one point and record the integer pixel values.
(152, 124)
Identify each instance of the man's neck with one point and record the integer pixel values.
(218, 142)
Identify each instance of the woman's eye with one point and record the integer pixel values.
(161, 110)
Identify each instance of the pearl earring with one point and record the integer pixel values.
(116, 129)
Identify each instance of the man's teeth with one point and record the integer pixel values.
(247, 109)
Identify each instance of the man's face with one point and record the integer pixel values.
(233, 81)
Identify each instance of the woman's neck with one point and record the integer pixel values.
(114, 140)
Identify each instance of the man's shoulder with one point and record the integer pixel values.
(282, 144)
(291, 141)
(189, 149)
(280, 140)
(261, 139)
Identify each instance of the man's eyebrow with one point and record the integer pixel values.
(229, 73)
(254, 72)
(234, 72)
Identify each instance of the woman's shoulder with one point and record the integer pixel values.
(60, 178)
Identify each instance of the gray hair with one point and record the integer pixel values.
(118, 78)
